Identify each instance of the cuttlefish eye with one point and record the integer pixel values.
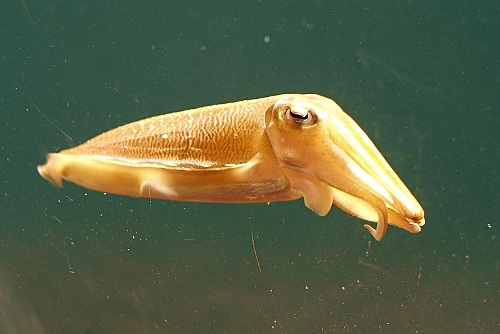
(299, 116)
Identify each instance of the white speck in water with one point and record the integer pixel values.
(267, 39)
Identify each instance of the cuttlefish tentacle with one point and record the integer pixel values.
(319, 197)
(366, 206)
(276, 148)
(313, 135)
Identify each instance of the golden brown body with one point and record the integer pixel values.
(276, 148)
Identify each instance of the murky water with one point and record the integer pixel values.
(420, 78)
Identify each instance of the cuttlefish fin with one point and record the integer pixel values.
(163, 185)
(52, 170)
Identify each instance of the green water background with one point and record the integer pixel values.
(421, 77)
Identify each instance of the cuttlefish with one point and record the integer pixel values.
(276, 148)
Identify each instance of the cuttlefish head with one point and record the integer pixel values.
(329, 160)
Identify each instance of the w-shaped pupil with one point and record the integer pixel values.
(299, 116)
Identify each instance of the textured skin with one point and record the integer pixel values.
(218, 153)
(277, 148)
(213, 136)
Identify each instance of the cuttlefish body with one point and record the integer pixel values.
(276, 148)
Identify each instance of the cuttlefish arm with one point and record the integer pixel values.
(277, 148)
(318, 144)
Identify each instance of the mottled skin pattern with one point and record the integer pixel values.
(276, 148)
(230, 134)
